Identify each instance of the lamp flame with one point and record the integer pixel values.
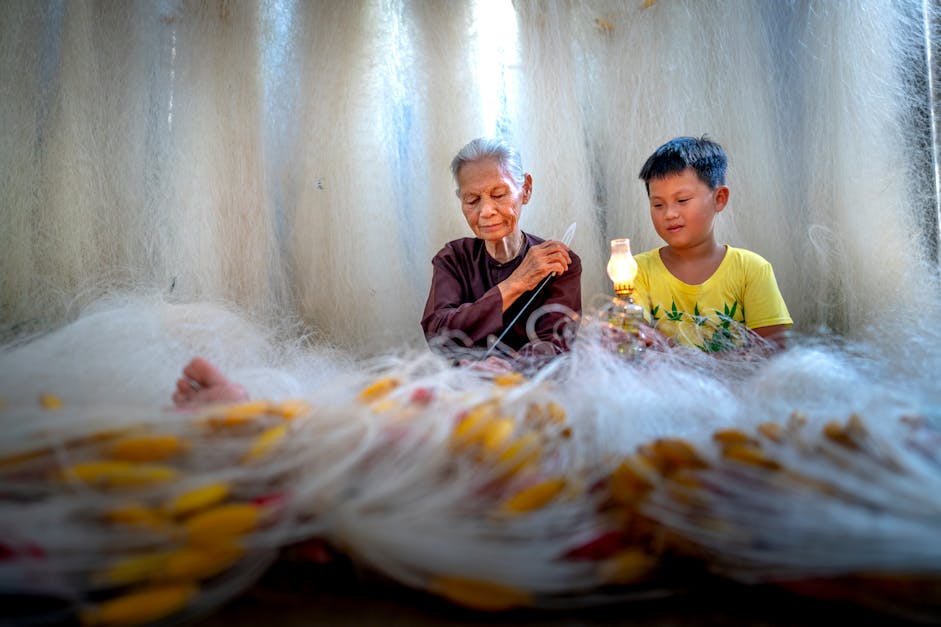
(622, 267)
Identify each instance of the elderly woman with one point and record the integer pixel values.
(481, 283)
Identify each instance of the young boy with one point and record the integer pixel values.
(695, 290)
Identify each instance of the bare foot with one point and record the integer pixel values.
(203, 384)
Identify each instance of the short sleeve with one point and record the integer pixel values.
(764, 305)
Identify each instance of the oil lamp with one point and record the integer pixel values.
(626, 316)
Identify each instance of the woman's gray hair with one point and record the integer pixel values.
(490, 148)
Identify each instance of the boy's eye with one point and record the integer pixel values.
(683, 199)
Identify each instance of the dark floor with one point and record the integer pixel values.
(295, 593)
(292, 595)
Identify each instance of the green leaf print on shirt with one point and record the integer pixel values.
(674, 315)
(721, 340)
(724, 336)
(728, 315)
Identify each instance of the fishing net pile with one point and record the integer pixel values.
(594, 479)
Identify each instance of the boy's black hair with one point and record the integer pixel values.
(705, 156)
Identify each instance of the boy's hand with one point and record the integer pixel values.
(653, 338)
(776, 335)
(647, 336)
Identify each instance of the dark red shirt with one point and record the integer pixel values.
(464, 295)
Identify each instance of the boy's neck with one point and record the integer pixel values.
(693, 265)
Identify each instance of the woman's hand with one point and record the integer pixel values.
(492, 364)
(549, 257)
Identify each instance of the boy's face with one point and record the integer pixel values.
(683, 209)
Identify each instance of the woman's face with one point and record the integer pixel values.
(490, 200)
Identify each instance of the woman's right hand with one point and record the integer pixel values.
(549, 257)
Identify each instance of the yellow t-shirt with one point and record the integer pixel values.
(742, 289)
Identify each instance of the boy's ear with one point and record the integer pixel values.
(722, 197)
